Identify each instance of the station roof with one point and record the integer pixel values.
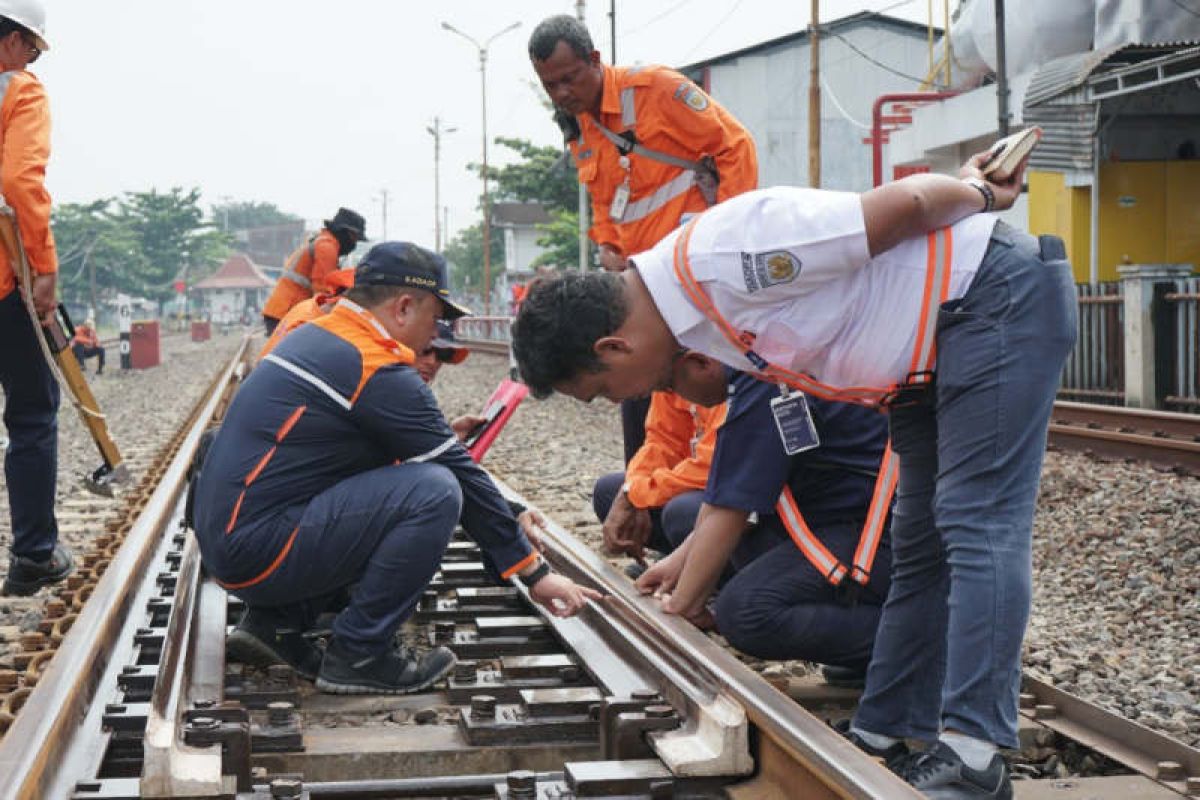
(238, 272)
(519, 215)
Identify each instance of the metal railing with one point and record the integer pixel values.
(1095, 372)
(1183, 316)
(485, 329)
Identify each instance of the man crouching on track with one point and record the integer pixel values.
(850, 297)
(334, 466)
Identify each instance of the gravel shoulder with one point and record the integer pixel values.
(1116, 614)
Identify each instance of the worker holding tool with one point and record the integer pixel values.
(652, 148)
(30, 391)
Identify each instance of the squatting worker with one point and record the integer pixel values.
(308, 269)
(652, 148)
(826, 290)
(334, 466)
(30, 391)
(85, 344)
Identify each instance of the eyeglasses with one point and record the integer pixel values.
(443, 354)
(31, 44)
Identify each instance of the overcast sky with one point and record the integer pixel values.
(311, 105)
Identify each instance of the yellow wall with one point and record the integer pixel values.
(1149, 214)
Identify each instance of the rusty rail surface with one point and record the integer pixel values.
(1168, 440)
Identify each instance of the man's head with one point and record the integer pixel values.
(405, 287)
(593, 335)
(347, 226)
(567, 64)
(22, 32)
(444, 349)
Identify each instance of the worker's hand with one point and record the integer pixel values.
(45, 300)
(611, 260)
(463, 426)
(1006, 191)
(626, 529)
(533, 524)
(562, 596)
(661, 578)
(694, 610)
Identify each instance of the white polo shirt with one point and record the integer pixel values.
(790, 266)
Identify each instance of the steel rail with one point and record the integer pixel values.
(35, 750)
(1166, 439)
(485, 345)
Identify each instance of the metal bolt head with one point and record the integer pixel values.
(644, 695)
(280, 713)
(522, 783)
(1028, 700)
(659, 712)
(203, 723)
(483, 706)
(287, 788)
(1045, 711)
(1170, 771)
(1193, 786)
(466, 671)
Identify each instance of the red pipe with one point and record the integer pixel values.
(877, 123)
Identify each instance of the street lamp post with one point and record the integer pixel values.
(436, 131)
(487, 209)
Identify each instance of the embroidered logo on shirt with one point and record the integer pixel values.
(691, 96)
(771, 268)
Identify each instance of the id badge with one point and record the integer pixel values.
(616, 209)
(795, 424)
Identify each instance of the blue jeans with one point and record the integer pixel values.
(948, 651)
(31, 416)
(384, 531)
(670, 525)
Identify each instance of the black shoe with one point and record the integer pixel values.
(399, 671)
(26, 576)
(263, 638)
(846, 677)
(895, 757)
(939, 773)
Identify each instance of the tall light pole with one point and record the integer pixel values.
(436, 130)
(382, 198)
(487, 209)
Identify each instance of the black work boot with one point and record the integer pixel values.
(398, 671)
(895, 757)
(939, 773)
(26, 576)
(265, 637)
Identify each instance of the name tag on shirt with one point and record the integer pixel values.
(616, 209)
(792, 418)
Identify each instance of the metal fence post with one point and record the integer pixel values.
(1144, 376)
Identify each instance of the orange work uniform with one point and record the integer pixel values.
(677, 453)
(302, 312)
(86, 336)
(24, 151)
(305, 274)
(669, 114)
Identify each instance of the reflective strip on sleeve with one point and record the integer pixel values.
(305, 375)
(628, 109)
(296, 277)
(434, 453)
(639, 209)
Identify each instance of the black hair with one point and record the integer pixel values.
(7, 26)
(560, 321)
(560, 28)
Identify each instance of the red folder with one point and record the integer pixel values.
(498, 410)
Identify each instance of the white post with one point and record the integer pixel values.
(1137, 288)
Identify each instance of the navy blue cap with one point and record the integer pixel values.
(406, 264)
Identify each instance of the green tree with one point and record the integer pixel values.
(542, 175)
(241, 215)
(560, 237)
(96, 254)
(465, 254)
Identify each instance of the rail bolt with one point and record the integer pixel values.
(1045, 711)
(644, 695)
(659, 712)
(1170, 771)
(522, 783)
(280, 714)
(466, 671)
(204, 723)
(1193, 786)
(483, 706)
(1028, 700)
(287, 788)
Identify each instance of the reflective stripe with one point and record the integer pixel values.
(5, 80)
(434, 453)
(937, 281)
(296, 277)
(877, 514)
(313, 379)
(812, 547)
(639, 209)
(628, 110)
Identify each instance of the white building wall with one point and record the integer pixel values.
(521, 248)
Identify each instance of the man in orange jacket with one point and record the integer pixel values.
(308, 269)
(652, 148)
(86, 344)
(31, 394)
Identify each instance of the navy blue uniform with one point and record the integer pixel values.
(778, 605)
(334, 465)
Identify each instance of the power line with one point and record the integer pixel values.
(733, 9)
(881, 65)
(661, 15)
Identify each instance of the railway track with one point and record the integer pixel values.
(621, 701)
(1169, 441)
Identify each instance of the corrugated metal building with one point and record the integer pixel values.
(766, 87)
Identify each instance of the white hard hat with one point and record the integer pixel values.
(29, 13)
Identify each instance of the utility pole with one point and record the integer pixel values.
(1001, 70)
(612, 28)
(814, 99)
(436, 130)
(583, 195)
(383, 199)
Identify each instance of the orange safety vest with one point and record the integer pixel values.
(920, 376)
(304, 273)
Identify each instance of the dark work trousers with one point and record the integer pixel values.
(633, 425)
(778, 606)
(83, 352)
(670, 525)
(384, 531)
(31, 416)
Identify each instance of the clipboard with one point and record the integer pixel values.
(498, 411)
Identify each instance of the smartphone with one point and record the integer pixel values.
(1008, 153)
(489, 417)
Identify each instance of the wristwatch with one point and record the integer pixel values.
(530, 580)
(989, 197)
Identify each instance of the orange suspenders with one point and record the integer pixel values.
(920, 374)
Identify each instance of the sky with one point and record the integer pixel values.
(312, 106)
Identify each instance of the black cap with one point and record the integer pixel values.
(406, 264)
(448, 343)
(348, 220)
